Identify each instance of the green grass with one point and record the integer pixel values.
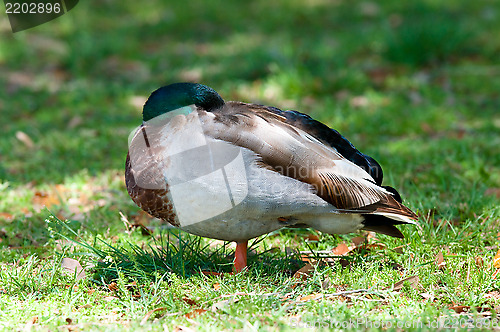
(416, 87)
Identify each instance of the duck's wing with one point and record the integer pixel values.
(293, 151)
(332, 138)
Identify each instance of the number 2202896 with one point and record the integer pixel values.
(32, 8)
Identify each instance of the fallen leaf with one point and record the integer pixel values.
(45, 199)
(6, 216)
(496, 260)
(29, 324)
(326, 284)
(412, 280)
(372, 246)
(304, 272)
(378, 75)
(312, 237)
(305, 258)
(341, 250)
(113, 286)
(310, 297)
(195, 313)
(73, 267)
(110, 298)
(479, 262)
(189, 301)
(358, 240)
(359, 102)
(492, 192)
(24, 138)
(216, 286)
(460, 308)
(86, 306)
(440, 260)
(399, 249)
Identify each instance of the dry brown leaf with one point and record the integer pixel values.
(310, 297)
(460, 308)
(113, 286)
(494, 276)
(312, 237)
(439, 260)
(341, 250)
(358, 240)
(29, 324)
(359, 102)
(305, 258)
(6, 216)
(195, 313)
(304, 272)
(378, 75)
(492, 192)
(412, 280)
(85, 306)
(216, 286)
(326, 284)
(496, 260)
(372, 246)
(110, 298)
(399, 249)
(73, 267)
(479, 262)
(189, 301)
(25, 139)
(45, 199)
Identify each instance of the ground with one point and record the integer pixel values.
(414, 86)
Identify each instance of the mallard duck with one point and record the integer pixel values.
(234, 171)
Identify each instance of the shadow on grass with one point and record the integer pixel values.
(171, 251)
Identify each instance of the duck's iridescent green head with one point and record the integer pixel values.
(177, 95)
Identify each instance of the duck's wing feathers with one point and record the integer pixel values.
(293, 151)
(332, 138)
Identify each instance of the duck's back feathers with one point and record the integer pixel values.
(296, 146)
(334, 139)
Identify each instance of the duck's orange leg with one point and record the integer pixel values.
(240, 256)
